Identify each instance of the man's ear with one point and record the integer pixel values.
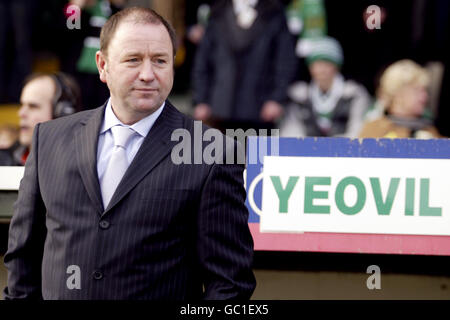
(100, 59)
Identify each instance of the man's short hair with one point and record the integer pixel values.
(136, 15)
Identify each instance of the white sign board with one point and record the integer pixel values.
(10, 177)
(356, 195)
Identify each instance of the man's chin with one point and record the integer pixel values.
(147, 105)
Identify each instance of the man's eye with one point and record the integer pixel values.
(132, 60)
(160, 61)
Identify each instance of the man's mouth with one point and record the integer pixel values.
(145, 89)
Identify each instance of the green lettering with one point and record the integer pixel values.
(361, 195)
(384, 207)
(409, 197)
(283, 194)
(425, 210)
(310, 194)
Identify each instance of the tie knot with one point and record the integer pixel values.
(122, 135)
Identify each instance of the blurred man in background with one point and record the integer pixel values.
(44, 97)
(244, 65)
(329, 105)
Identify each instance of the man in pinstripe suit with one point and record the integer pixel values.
(166, 231)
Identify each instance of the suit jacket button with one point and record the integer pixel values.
(97, 275)
(104, 224)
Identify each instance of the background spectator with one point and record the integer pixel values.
(404, 96)
(86, 42)
(329, 105)
(244, 65)
(44, 97)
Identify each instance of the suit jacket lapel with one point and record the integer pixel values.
(155, 147)
(86, 140)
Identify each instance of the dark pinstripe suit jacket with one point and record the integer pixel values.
(170, 231)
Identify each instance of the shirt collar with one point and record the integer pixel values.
(142, 127)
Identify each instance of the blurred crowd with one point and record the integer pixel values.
(308, 67)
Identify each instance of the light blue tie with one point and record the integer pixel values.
(118, 163)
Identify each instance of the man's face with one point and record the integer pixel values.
(138, 69)
(36, 100)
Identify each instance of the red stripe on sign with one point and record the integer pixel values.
(350, 242)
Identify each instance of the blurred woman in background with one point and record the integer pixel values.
(403, 95)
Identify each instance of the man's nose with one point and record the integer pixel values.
(146, 74)
(22, 111)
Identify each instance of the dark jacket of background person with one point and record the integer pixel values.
(61, 98)
(169, 229)
(346, 118)
(392, 127)
(237, 70)
(14, 155)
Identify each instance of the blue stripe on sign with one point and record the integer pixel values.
(367, 148)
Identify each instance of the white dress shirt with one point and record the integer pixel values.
(106, 140)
